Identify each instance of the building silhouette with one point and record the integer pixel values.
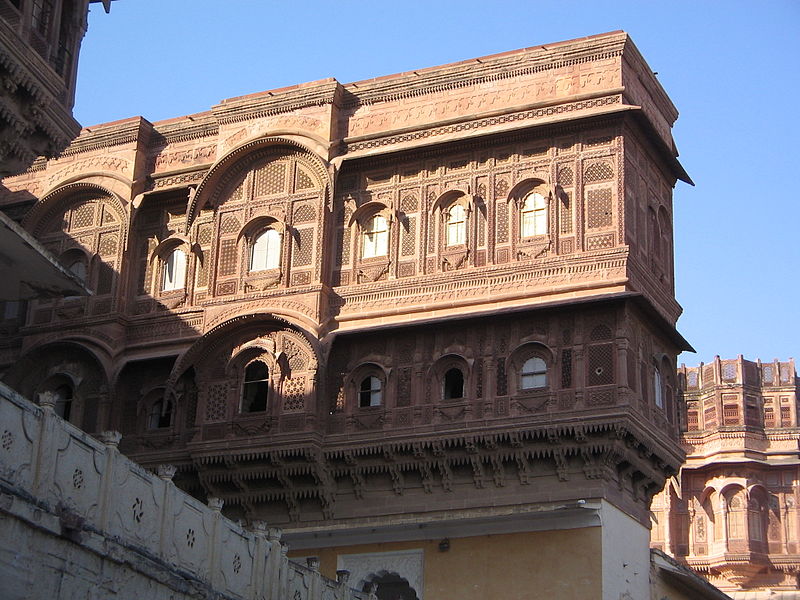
(731, 514)
(423, 323)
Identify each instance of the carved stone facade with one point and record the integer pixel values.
(732, 513)
(439, 295)
(39, 45)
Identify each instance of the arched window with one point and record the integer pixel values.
(376, 237)
(63, 398)
(736, 516)
(255, 388)
(658, 390)
(453, 384)
(456, 225)
(533, 216)
(265, 252)
(174, 273)
(533, 374)
(78, 268)
(370, 393)
(160, 415)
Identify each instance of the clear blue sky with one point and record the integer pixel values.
(730, 67)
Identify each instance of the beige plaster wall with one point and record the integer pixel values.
(563, 564)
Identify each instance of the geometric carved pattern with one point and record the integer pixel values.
(409, 246)
(565, 176)
(305, 214)
(599, 333)
(204, 234)
(599, 208)
(502, 222)
(597, 242)
(216, 402)
(303, 181)
(566, 368)
(227, 288)
(566, 213)
(230, 224)
(271, 179)
(227, 257)
(294, 394)
(599, 171)
(603, 398)
(83, 216)
(108, 244)
(302, 254)
(729, 371)
(298, 360)
(601, 364)
(408, 204)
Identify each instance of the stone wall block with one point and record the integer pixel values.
(138, 503)
(192, 533)
(236, 559)
(19, 435)
(78, 464)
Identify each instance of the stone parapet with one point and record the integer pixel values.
(90, 518)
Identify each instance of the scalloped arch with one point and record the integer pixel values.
(210, 184)
(214, 336)
(529, 184)
(50, 203)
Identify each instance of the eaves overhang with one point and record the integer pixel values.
(603, 299)
(28, 270)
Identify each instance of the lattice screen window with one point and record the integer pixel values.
(228, 258)
(304, 246)
(565, 216)
(598, 171)
(730, 414)
(599, 210)
(566, 368)
(601, 364)
(270, 179)
(710, 417)
(409, 237)
(502, 222)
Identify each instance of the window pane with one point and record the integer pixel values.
(533, 220)
(174, 271)
(255, 388)
(78, 268)
(266, 251)
(376, 238)
(456, 232)
(533, 374)
(658, 394)
(370, 392)
(453, 384)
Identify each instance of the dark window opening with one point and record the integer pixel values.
(370, 392)
(390, 587)
(160, 416)
(256, 387)
(63, 397)
(453, 384)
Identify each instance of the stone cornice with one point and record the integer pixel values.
(110, 134)
(489, 68)
(188, 128)
(265, 104)
(550, 112)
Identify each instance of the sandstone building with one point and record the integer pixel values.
(732, 512)
(425, 323)
(39, 45)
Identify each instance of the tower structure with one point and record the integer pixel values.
(732, 512)
(425, 323)
(39, 45)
